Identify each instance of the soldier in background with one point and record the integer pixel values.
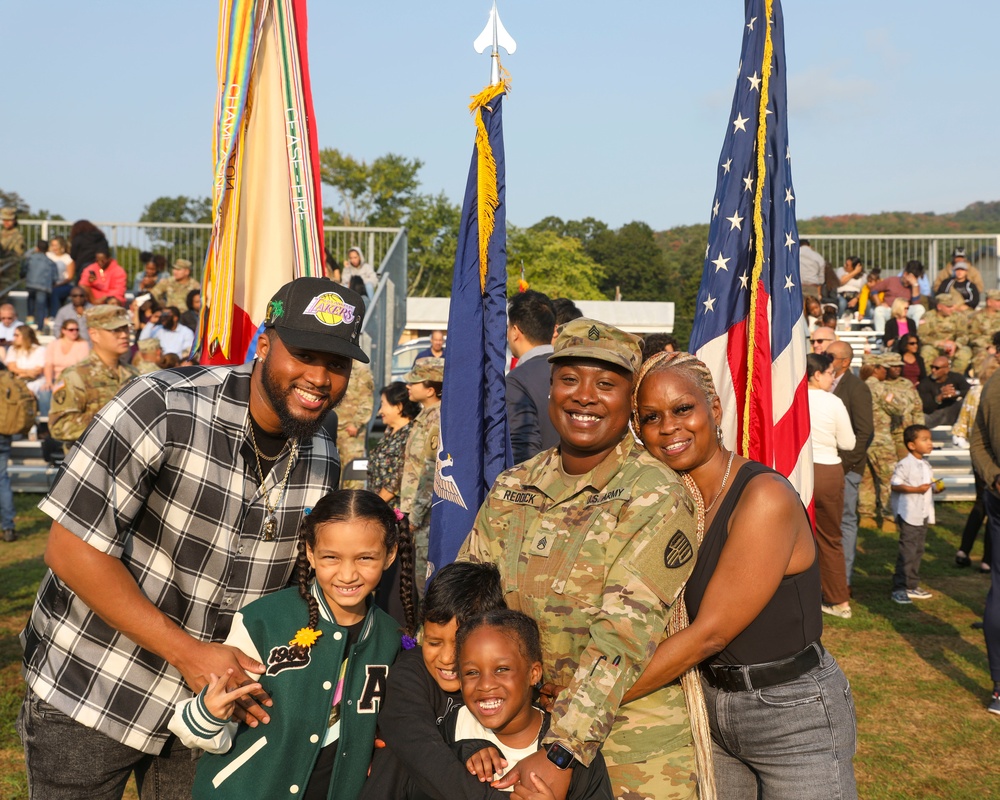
(85, 388)
(173, 291)
(424, 384)
(12, 246)
(149, 355)
(945, 331)
(873, 497)
(353, 415)
(908, 399)
(983, 324)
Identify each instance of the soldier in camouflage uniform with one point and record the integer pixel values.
(945, 331)
(12, 246)
(353, 415)
(173, 291)
(85, 388)
(595, 539)
(983, 324)
(148, 358)
(907, 396)
(874, 505)
(424, 383)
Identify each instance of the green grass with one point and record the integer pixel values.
(918, 672)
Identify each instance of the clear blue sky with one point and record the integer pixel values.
(618, 109)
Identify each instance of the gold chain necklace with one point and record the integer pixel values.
(699, 501)
(270, 518)
(257, 451)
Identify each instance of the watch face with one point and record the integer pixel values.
(560, 756)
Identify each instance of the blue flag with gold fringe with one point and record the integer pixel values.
(475, 439)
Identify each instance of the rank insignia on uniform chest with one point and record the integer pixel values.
(678, 552)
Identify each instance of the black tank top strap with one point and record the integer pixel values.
(743, 476)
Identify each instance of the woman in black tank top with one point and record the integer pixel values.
(779, 707)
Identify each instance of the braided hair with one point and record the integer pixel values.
(688, 364)
(350, 505)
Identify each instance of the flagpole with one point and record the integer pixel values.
(495, 35)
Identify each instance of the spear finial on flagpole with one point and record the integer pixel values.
(494, 35)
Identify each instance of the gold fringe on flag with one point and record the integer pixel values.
(486, 174)
(758, 226)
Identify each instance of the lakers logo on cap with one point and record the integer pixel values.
(330, 309)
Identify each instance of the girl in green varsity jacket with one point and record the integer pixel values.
(327, 680)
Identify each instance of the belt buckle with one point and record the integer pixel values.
(732, 678)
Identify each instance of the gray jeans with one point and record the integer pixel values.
(849, 522)
(69, 761)
(793, 741)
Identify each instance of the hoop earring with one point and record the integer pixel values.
(638, 441)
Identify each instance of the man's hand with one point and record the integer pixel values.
(538, 763)
(203, 659)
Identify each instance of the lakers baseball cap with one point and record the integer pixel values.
(318, 314)
(598, 341)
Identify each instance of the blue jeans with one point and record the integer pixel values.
(6, 495)
(69, 761)
(793, 741)
(849, 522)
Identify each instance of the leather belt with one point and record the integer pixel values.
(748, 677)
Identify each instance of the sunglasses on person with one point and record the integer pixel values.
(817, 341)
(71, 330)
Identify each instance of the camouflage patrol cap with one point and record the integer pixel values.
(106, 317)
(425, 369)
(890, 358)
(182, 263)
(597, 341)
(993, 294)
(8, 212)
(150, 345)
(871, 360)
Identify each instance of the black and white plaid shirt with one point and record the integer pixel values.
(158, 480)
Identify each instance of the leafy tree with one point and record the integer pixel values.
(582, 230)
(23, 209)
(192, 244)
(432, 234)
(376, 194)
(683, 251)
(553, 264)
(633, 263)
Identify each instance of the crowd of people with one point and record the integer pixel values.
(871, 434)
(636, 612)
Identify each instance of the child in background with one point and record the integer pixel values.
(424, 686)
(40, 275)
(327, 682)
(423, 383)
(499, 661)
(913, 487)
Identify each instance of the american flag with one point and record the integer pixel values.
(749, 326)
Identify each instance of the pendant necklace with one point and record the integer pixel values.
(270, 518)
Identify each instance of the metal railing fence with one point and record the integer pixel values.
(890, 252)
(190, 240)
(385, 316)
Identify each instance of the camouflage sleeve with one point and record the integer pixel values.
(159, 292)
(625, 631)
(69, 415)
(412, 468)
(359, 402)
(893, 403)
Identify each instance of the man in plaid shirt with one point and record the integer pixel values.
(179, 505)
